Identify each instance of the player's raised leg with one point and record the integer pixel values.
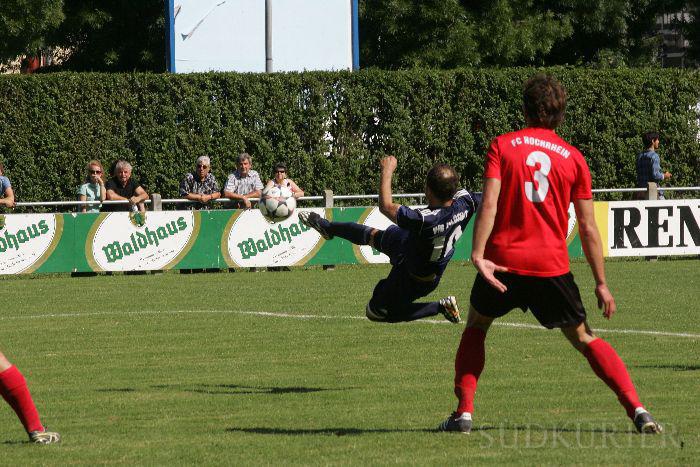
(469, 363)
(13, 388)
(356, 233)
(393, 298)
(408, 311)
(610, 368)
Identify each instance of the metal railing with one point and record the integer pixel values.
(640, 190)
(73, 203)
(328, 198)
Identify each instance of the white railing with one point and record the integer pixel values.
(73, 203)
(328, 198)
(632, 190)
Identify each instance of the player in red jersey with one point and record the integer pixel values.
(531, 176)
(13, 389)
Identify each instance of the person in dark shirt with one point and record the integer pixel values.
(419, 246)
(649, 165)
(123, 187)
(200, 185)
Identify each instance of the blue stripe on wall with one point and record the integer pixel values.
(355, 35)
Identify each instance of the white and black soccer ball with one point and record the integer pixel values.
(277, 203)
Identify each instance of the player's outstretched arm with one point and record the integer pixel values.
(485, 217)
(386, 203)
(593, 249)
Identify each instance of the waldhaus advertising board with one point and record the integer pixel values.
(120, 241)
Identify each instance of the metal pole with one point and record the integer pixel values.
(268, 36)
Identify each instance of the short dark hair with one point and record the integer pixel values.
(278, 166)
(442, 181)
(544, 101)
(649, 137)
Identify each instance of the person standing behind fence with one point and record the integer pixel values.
(122, 186)
(279, 177)
(200, 185)
(8, 195)
(94, 187)
(244, 183)
(649, 164)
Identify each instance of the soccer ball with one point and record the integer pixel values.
(277, 203)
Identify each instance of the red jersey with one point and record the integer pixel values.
(540, 175)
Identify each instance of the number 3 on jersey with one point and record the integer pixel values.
(540, 176)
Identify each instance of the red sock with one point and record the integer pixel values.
(610, 368)
(13, 388)
(469, 364)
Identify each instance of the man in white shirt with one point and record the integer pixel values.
(244, 183)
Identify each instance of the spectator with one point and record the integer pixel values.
(649, 164)
(244, 183)
(279, 177)
(200, 185)
(8, 195)
(94, 187)
(123, 187)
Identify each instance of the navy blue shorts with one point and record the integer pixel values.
(394, 244)
(400, 288)
(554, 301)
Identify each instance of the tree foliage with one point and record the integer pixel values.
(452, 33)
(119, 35)
(24, 25)
(448, 34)
(126, 35)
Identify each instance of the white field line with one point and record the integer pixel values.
(326, 317)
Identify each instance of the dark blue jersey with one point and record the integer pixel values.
(433, 233)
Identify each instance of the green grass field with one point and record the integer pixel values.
(281, 368)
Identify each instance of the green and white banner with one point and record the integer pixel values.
(26, 240)
(120, 241)
(249, 240)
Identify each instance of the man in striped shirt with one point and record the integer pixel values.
(244, 183)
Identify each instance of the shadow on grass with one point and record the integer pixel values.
(670, 367)
(115, 390)
(323, 431)
(535, 427)
(363, 431)
(15, 442)
(235, 389)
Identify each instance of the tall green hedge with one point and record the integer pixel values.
(330, 128)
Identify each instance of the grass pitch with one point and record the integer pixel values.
(281, 368)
